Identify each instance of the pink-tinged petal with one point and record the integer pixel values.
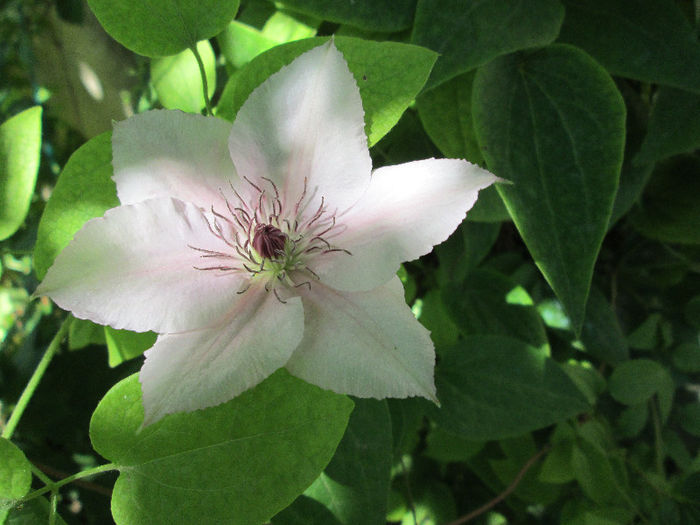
(367, 344)
(306, 121)
(408, 209)
(199, 369)
(165, 153)
(133, 269)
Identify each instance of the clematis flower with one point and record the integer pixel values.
(267, 244)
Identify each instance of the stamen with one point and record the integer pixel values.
(274, 290)
(252, 184)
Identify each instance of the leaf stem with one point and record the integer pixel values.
(203, 73)
(35, 379)
(658, 439)
(55, 485)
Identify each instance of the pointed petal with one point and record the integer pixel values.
(367, 344)
(133, 269)
(165, 153)
(306, 121)
(199, 369)
(406, 211)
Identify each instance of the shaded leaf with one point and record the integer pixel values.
(15, 474)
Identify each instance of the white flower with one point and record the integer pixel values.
(264, 245)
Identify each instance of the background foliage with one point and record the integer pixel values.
(565, 310)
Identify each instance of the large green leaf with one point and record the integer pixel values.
(389, 75)
(15, 474)
(601, 334)
(355, 485)
(84, 190)
(493, 387)
(20, 142)
(674, 126)
(488, 302)
(178, 80)
(236, 463)
(469, 34)
(648, 40)
(163, 27)
(371, 15)
(123, 345)
(552, 122)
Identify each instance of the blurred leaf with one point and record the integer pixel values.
(648, 40)
(84, 190)
(464, 250)
(163, 29)
(435, 317)
(123, 345)
(355, 484)
(15, 474)
(493, 387)
(632, 420)
(406, 423)
(468, 35)
(241, 43)
(557, 464)
(217, 462)
(82, 333)
(601, 334)
(434, 505)
(490, 303)
(178, 81)
(553, 123)
(668, 210)
(20, 143)
(372, 15)
(635, 381)
(305, 511)
(34, 512)
(686, 357)
(689, 416)
(673, 126)
(446, 447)
(389, 75)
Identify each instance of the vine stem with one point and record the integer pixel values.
(54, 486)
(203, 73)
(503, 495)
(28, 392)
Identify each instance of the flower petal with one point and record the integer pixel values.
(165, 153)
(306, 121)
(408, 209)
(133, 269)
(367, 344)
(199, 369)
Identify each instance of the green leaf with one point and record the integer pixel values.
(178, 81)
(371, 15)
(635, 381)
(406, 423)
(15, 474)
(490, 303)
(468, 35)
(648, 40)
(389, 75)
(464, 250)
(447, 447)
(84, 190)
(163, 27)
(673, 126)
(305, 511)
(20, 143)
(123, 345)
(33, 512)
(82, 333)
(686, 357)
(552, 122)
(689, 417)
(601, 334)
(493, 387)
(355, 485)
(436, 318)
(241, 43)
(239, 462)
(668, 209)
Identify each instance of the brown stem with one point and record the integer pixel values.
(503, 495)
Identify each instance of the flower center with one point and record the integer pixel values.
(269, 241)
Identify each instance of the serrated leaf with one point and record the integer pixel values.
(238, 463)
(178, 81)
(493, 387)
(371, 15)
(15, 474)
(20, 142)
(163, 27)
(553, 123)
(468, 35)
(648, 40)
(355, 485)
(389, 75)
(84, 190)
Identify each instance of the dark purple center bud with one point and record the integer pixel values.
(268, 241)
